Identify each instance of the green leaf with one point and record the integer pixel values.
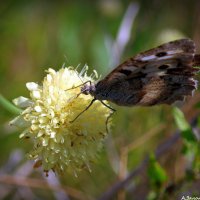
(183, 125)
(155, 172)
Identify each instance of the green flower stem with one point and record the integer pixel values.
(9, 106)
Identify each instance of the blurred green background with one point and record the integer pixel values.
(36, 35)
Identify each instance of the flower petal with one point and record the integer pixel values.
(19, 122)
(22, 102)
(25, 133)
(32, 86)
(36, 94)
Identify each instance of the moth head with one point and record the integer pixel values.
(88, 88)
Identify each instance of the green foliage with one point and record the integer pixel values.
(156, 173)
(191, 144)
(183, 125)
(157, 177)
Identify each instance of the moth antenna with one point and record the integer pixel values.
(93, 100)
(79, 85)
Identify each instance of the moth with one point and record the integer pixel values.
(161, 75)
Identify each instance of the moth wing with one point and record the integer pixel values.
(160, 75)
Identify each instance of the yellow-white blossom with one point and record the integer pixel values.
(58, 143)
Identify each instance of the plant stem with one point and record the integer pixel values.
(9, 106)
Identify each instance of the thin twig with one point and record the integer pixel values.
(36, 183)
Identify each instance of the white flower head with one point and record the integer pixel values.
(58, 143)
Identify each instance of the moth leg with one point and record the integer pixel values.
(109, 116)
(108, 106)
(79, 85)
(93, 100)
(107, 120)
